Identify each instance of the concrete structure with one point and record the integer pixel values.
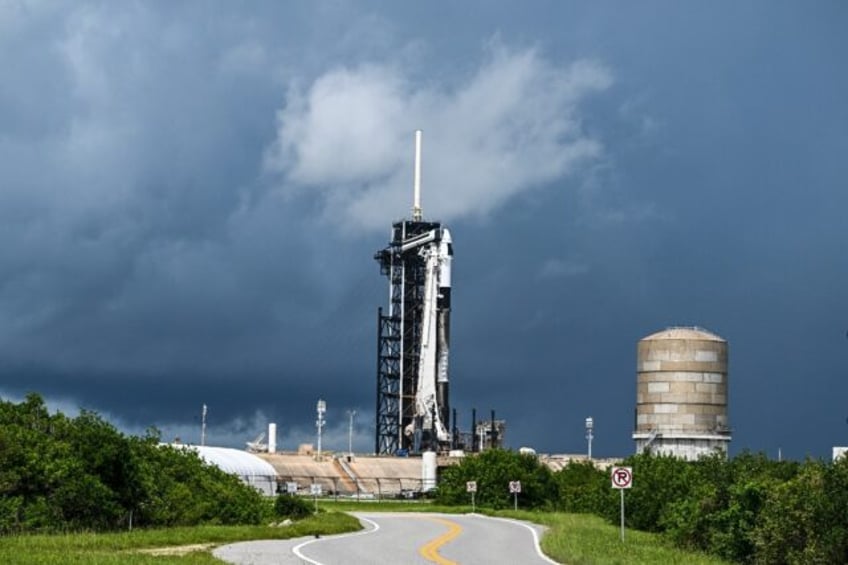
(351, 476)
(428, 471)
(367, 476)
(681, 396)
(272, 438)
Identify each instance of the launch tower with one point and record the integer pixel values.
(414, 336)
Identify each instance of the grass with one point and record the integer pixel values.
(125, 547)
(583, 539)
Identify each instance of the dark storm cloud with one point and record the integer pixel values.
(190, 199)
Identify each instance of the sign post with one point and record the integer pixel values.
(622, 478)
(515, 489)
(315, 489)
(471, 486)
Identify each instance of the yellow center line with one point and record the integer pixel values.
(430, 551)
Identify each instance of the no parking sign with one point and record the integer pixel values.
(622, 478)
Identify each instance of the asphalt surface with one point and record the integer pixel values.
(403, 538)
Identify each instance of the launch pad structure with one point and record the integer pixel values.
(413, 413)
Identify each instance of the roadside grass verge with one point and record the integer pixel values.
(127, 547)
(584, 539)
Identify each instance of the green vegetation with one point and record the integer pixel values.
(580, 539)
(71, 489)
(83, 481)
(746, 509)
(60, 474)
(493, 470)
(290, 506)
(130, 547)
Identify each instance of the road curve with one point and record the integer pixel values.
(408, 538)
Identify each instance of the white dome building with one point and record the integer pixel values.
(252, 470)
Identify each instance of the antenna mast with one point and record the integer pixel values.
(203, 427)
(416, 196)
(321, 409)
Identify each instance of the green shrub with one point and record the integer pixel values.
(60, 474)
(658, 481)
(723, 507)
(804, 519)
(493, 470)
(583, 488)
(291, 506)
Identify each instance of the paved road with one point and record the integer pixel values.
(403, 538)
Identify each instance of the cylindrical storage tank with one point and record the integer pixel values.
(428, 471)
(681, 393)
(272, 438)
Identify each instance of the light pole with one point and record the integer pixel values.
(319, 423)
(590, 425)
(350, 415)
(203, 427)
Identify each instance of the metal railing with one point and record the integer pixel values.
(361, 488)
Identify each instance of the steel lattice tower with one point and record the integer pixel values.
(399, 337)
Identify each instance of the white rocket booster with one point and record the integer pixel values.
(426, 398)
(435, 247)
(443, 308)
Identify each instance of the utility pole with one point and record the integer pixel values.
(203, 427)
(319, 423)
(350, 415)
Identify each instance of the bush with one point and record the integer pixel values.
(723, 508)
(59, 474)
(804, 520)
(658, 481)
(493, 470)
(291, 506)
(583, 488)
(180, 489)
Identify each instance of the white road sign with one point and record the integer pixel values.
(471, 486)
(515, 487)
(291, 488)
(622, 477)
(315, 490)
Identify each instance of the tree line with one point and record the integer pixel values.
(747, 509)
(68, 474)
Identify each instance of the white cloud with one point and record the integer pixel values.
(345, 130)
(512, 126)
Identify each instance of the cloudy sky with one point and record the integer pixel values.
(191, 194)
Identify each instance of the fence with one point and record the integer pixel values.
(367, 488)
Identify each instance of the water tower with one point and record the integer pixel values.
(681, 396)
